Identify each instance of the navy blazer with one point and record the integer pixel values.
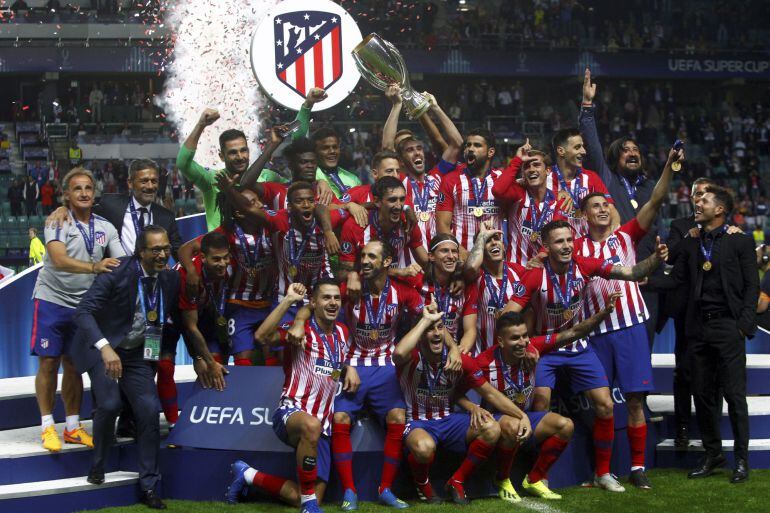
(107, 310)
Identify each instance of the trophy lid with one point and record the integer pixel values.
(365, 41)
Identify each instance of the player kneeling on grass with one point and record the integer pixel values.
(304, 416)
(430, 392)
(508, 369)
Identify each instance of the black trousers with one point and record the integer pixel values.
(682, 377)
(138, 384)
(719, 361)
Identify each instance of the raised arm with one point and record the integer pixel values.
(587, 123)
(453, 141)
(406, 345)
(587, 326)
(190, 169)
(250, 177)
(314, 96)
(267, 333)
(239, 201)
(649, 210)
(641, 269)
(476, 255)
(389, 129)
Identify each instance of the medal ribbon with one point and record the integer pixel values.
(499, 298)
(336, 180)
(442, 301)
(420, 197)
(152, 299)
(631, 187)
(433, 381)
(538, 216)
(478, 191)
(505, 370)
(295, 253)
(328, 350)
(135, 217)
(374, 220)
(251, 258)
(707, 252)
(217, 301)
(89, 239)
(383, 303)
(561, 295)
(574, 192)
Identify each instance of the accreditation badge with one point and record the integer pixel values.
(152, 337)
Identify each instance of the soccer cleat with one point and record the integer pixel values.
(639, 479)
(609, 482)
(310, 506)
(78, 436)
(539, 489)
(388, 499)
(51, 440)
(349, 500)
(456, 491)
(426, 494)
(506, 491)
(238, 485)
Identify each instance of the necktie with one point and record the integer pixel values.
(142, 213)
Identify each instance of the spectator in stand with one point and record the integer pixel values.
(75, 153)
(16, 196)
(47, 193)
(31, 196)
(19, 5)
(95, 101)
(36, 247)
(759, 235)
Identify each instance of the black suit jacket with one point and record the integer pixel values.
(738, 273)
(113, 208)
(675, 301)
(107, 310)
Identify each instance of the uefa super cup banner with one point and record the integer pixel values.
(302, 44)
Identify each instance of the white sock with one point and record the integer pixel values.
(305, 498)
(73, 422)
(249, 475)
(47, 421)
(637, 468)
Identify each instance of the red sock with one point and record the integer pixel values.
(307, 474)
(477, 453)
(637, 441)
(243, 362)
(167, 390)
(419, 470)
(504, 461)
(550, 450)
(269, 484)
(393, 447)
(342, 451)
(218, 358)
(272, 361)
(604, 434)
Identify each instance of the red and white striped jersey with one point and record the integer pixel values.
(274, 195)
(584, 183)
(458, 197)
(425, 195)
(490, 302)
(361, 194)
(548, 309)
(454, 307)
(525, 215)
(312, 260)
(354, 238)
(255, 288)
(308, 382)
(201, 303)
(618, 249)
(515, 382)
(402, 301)
(426, 396)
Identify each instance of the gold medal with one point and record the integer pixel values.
(336, 374)
(221, 321)
(478, 211)
(292, 271)
(252, 272)
(634, 204)
(520, 398)
(534, 236)
(707, 265)
(374, 335)
(577, 214)
(152, 315)
(676, 166)
(568, 314)
(424, 217)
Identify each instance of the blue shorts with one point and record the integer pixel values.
(379, 390)
(241, 325)
(449, 432)
(52, 329)
(584, 369)
(323, 458)
(625, 356)
(170, 338)
(534, 419)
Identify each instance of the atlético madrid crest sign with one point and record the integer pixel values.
(303, 44)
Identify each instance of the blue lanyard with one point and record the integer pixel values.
(505, 370)
(152, 301)
(707, 252)
(135, 217)
(539, 216)
(375, 321)
(499, 298)
(295, 253)
(328, 350)
(219, 302)
(420, 197)
(562, 295)
(89, 239)
(442, 301)
(575, 182)
(374, 220)
(478, 191)
(433, 381)
(252, 258)
(631, 188)
(336, 180)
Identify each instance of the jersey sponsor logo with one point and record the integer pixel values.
(312, 41)
(437, 391)
(323, 367)
(347, 248)
(613, 260)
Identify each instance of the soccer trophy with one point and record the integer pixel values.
(381, 64)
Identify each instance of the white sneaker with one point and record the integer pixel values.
(609, 482)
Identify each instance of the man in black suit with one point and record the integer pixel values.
(120, 323)
(721, 270)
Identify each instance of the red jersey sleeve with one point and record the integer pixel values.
(415, 238)
(338, 217)
(484, 359)
(593, 266)
(410, 299)
(352, 239)
(531, 281)
(277, 220)
(270, 191)
(446, 201)
(473, 376)
(506, 188)
(596, 184)
(359, 193)
(544, 344)
(634, 230)
(471, 306)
